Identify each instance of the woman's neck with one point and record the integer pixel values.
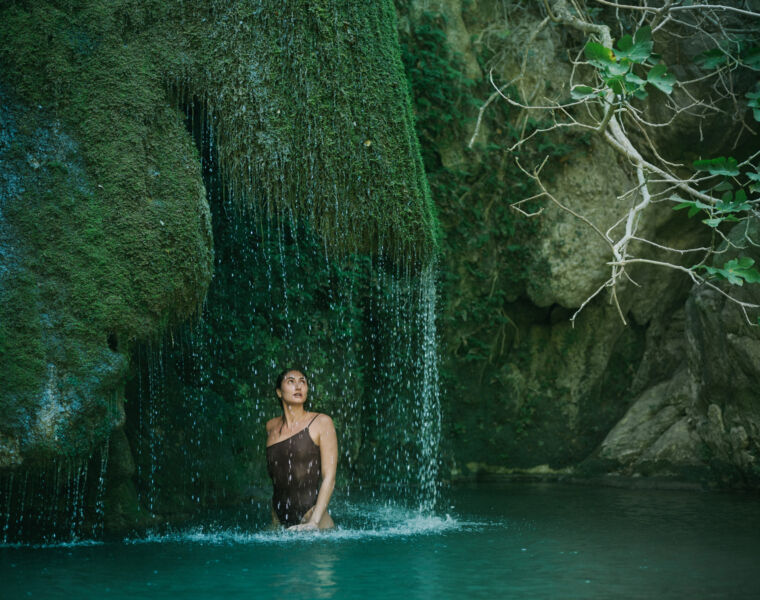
(293, 415)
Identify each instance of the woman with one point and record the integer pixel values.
(301, 448)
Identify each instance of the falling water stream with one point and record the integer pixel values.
(361, 326)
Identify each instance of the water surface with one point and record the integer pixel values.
(495, 541)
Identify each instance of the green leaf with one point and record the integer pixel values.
(720, 165)
(640, 93)
(736, 271)
(643, 39)
(637, 48)
(751, 58)
(631, 77)
(598, 55)
(742, 267)
(618, 68)
(661, 79)
(739, 204)
(753, 101)
(616, 84)
(693, 206)
(579, 92)
(712, 222)
(754, 176)
(711, 59)
(624, 45)
(743, 262)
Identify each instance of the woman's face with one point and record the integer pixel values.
(294, 388)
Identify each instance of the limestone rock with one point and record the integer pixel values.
(675, 393)
(654, 426)
(575, 255)
(679, 445)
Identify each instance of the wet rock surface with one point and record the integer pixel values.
(650, 398)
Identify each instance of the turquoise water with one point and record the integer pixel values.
(508, 541)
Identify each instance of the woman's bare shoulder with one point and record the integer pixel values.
(322, 422)
(272, 423)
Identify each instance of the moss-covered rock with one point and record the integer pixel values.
(105, 228)
(85, 275)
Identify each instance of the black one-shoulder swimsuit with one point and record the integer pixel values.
(295, 468)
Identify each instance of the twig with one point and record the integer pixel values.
(535, 177)
(482, 110)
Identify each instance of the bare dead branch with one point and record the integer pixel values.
(667, 8)
(741, 11)
(669, 249)
(483, 108)
(612, 123)
(535, 176)
(696, 278)
(583, 305)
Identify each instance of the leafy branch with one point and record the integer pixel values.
(619, 76)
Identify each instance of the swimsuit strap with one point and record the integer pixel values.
(309, 425)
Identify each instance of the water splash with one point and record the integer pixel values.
(360, 522)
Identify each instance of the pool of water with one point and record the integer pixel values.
(494, 541)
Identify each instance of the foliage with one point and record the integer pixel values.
(736, 271)
(616, 67)
(624, 72)
(485, 256)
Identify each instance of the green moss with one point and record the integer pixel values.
(484, 244)
(309, 112)
(106, 219)
(103, 234)
(20, 345)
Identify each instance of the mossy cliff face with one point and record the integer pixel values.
(91, 267)
(105, 228)
(525, 390)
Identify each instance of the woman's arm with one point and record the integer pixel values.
(328, 453)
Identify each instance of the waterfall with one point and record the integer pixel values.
(323, 225)
(63, 502)
(362, 330)
(361, 327)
